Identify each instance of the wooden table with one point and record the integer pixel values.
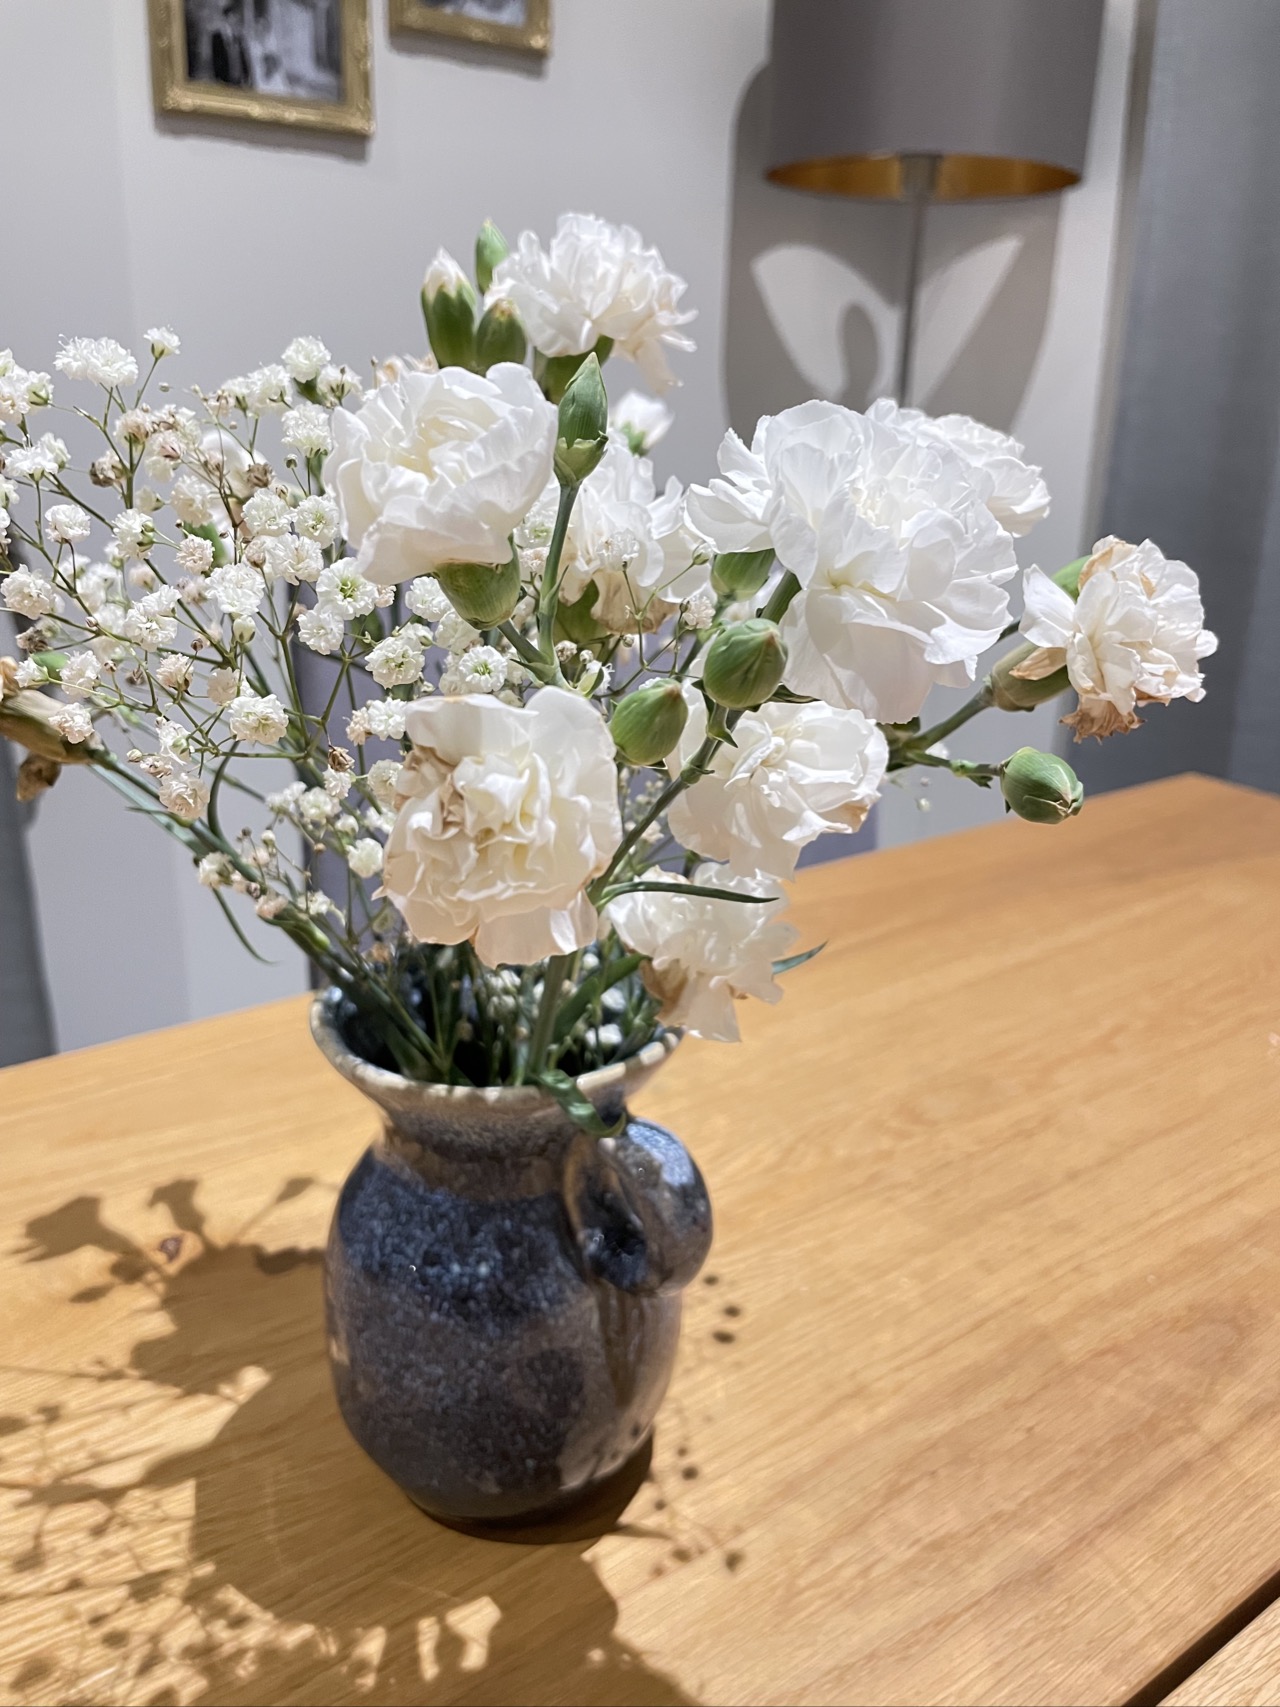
(979, 1400)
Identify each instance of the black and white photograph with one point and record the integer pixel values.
(521, 24)
(293, 62)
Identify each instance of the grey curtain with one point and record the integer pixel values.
(1195, 458)
(24, 1008)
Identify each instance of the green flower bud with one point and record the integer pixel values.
(491, 247)
(1069, 577)
(483, 594)
(1040, 787)
(744, 663)
(499, 337)
(584, 425)
(740, 574)
(1011, 692)
(449, 309)
(553, 373)
(647, 724)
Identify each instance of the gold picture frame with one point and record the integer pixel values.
(228, 59)
(428, 18)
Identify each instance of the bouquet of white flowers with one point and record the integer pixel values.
(574, 731)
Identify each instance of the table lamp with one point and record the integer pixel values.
(931, 100)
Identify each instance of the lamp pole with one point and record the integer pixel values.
(919, 184)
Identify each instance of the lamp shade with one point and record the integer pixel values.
(998, 92)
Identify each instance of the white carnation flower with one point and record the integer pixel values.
(797, 772)
(1136, 634)
(506, 813)
(595, 281)
(439, 468)
(1012, 488)
(260, 718)
(344, 588)
(73, 723)
(321, 629)
(703, 954)
(426, 598)
(80, 673)
(237, 589)
(67, 523)
(304, 358)
(365, 857)
(901, 564)
(100, 360)
(267, 513)
(29, 594)
(184, 792)
(397, 660)
(641, 420)
(306, 428)
(317, 519)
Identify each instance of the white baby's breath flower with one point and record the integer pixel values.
(134, 426)
(30, 673)
(337, 784)
(321, 629)
(383, 780)
(316, 518)
(641, 420)
(194, 556)
(407, 509)
(304, 358)
(99, 360)
(67, 523)
(41, 460)
(285, 800)
(174, 673)
(80, 674)
(150, 623)
(315, 807)
(397, 660)
(699, 612)
(455, 633)
(426, 598)
(214, 871)
(291, 559)
(795, 772)
(344, 588)
(223, 685)
(184, 792)
(237, 589)
(268, 512)
(73, 723)
(306, 428)
(270, 906)
(195, 502)
(163, 341)
(379, 719)
(143, 578)
(481, 669)
(260, 718)
(595, 280)
(265, 391)
(1135, 635)
(29, 594)
(703, 954)
(20, 390)
(134, 532)
(506, 814)
(365, 857)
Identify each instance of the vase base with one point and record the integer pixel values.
(579, 1516)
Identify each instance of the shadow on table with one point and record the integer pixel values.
(307, 1575)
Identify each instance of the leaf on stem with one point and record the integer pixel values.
(580, 1109)
(794, 960)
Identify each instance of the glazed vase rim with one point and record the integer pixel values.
(601, 1083)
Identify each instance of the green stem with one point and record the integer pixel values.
(549, 594)
(544, 1026)
(912, 753)
(783, 593)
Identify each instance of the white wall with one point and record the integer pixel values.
(647, 111)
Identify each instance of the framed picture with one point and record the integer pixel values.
(303, 63)
(521, 24)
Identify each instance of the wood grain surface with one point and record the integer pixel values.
(1246, 1673)
(978, 1400)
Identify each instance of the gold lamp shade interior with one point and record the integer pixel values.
(958, 177)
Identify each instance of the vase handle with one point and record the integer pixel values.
(639, 1209)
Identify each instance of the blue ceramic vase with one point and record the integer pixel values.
(503, 1291)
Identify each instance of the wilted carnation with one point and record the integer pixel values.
(304, 358)
(704, 954)
(100, 360)
(257, 718)
(797, 772)
(901, 564)
(505, 814)
(1135, 634)
(595, 281)
(438, 468)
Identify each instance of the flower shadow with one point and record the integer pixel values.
(205, 1528)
